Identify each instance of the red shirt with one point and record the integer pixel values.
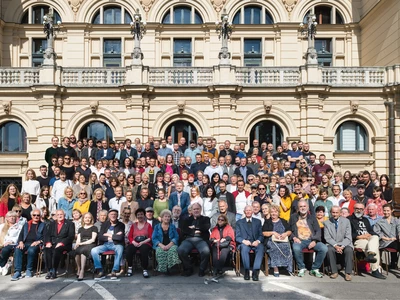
(59, 226)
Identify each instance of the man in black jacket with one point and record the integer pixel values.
(57, 239)
(195, 232)
(111, 238)
(366, 239)
(227, 197)
(306, 233)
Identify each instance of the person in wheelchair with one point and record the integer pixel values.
(222, 240)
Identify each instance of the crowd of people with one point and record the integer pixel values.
(93, 196)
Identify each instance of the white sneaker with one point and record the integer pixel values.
(5, 269)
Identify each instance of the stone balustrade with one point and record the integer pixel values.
(204, 76)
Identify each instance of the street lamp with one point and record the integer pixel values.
(309, 30)
(224, 30)
(138, 29)
(50, 30)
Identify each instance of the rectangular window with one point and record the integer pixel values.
(112, 53)
(252, 53)
(38, 48)
(324, 50)
(182, 52)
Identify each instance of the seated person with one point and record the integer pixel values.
(57, 239)
(372, 214)
(111, 237)
(306, 233)
(366, 239)
(276, 232)
(388, 230)
(195, 235)
(224, 210)
(222, 240)
(337, 233)
(29, 240)
(165, 241)
(139, 239)
(249, 235)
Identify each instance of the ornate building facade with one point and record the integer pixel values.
(346, 106)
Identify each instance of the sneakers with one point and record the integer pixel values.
(113, 276)
(28, 274)
(129, 273)
(302, 272)
(145, 274)
(316, 273)
(6, 268)
(16, 276)
(100, 275)
(377, 274)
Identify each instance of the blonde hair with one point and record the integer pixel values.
(83, 217)
(33, 173)
(68, 188)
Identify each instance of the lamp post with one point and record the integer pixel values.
(224, 30)
(138, 29)
(50, 30)
(309, 30)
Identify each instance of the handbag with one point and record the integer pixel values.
(224, 244)
(285, 240)
(140, 238)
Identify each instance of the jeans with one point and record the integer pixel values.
(320, 249)
(5, 254)
(194, 243)
(31, 257)
(96, 251)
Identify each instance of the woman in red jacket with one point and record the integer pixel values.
(222, 240)
(10, 198)
(348, 201)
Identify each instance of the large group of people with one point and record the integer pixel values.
(170, 200)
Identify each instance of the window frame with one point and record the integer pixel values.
(170, 14)
(252, 56)
(100, 15)
(29, 15)
(37, 56)
(179, 56)
(359, 129)
(266, 17)
(110, 57)
(22, 144)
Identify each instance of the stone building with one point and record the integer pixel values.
(345, 107)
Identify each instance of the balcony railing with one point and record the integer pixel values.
(93, 76)
(342, 76)
(180, 76)
(19, 76)
(268, 76)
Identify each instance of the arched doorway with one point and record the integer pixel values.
(97, 131)
(181, 129)
(268, 132)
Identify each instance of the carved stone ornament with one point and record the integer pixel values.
(267, 106)
(218, 4)
(147, 4)
(6, 106)
(181, 106)
(94, 105)
(354, 106)
(75, 4)
(289, 4)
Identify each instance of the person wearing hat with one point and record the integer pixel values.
(111, 238)
(105, 151)
(150, 217)
(361, 197)
(192, 151)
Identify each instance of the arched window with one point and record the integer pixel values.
(351, 136)
(112, 15)
(253, 14)
(12, 137)
(97, 131)
(181, 129)
(268, 132)
(182, 14)
(325, 15)
(37, 13)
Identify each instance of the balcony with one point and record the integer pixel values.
(202, 76)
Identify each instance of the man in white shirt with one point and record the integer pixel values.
(115, 203)
(213, 168)
(337, 196)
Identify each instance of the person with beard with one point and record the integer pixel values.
(366, 239)
(307, 234)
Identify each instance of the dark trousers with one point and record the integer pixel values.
(5, 254)
(393, 255)
(53, 257)
(31, 257)
(194, 243)
(144, 250)
(347, 256)
(245, 254)
(219, 263)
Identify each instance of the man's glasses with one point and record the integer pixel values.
(35, 215)
(18, 211)
(262, 189)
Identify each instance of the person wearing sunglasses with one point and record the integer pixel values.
(29, 241)
(83, 202)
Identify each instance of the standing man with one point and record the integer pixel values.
(320, 169)
(180, 198)
(66, 149)
(249, 235)
(105, 152)
(43, 178)
(164, 150)
(243, 169)
(192, 151)
(294, 155)
(90, 150)
(337, 233)
(198, 165)
(129, 151)
(51, 150)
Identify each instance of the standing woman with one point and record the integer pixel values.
(81, 185)
(110, 191)
(31, 185)
(130, 183)
(205, 182)
(285, 204)
(121, 178)
(85, 241)
(169, 166)
(127, 168)
(99, 202)
(160, 204)
(139, 239)
(159, 184)
(195, 196)
(83, 202)
(27, 206)
(44, 199)
(346, 179)
(375, 177)
(165, 241)
(93, 181)
(215, 179)
(174, 180)
(387, 191)
(210, 202)
(277, 232)
(222, 240)
(67, 202)
(10, 197)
